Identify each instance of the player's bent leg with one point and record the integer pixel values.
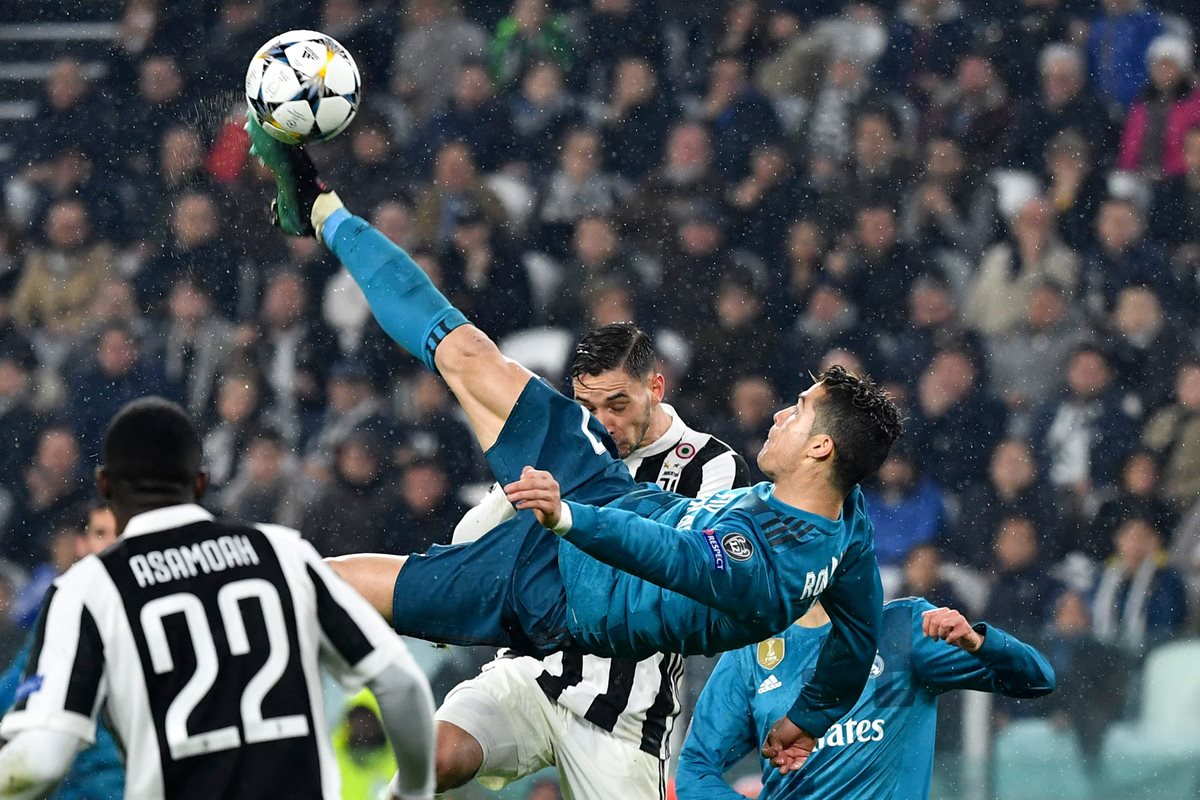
(505, 714)
(373, 575)
(594, 764)
(457, 757)
(486, 383)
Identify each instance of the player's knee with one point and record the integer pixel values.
(464, 350)
(457, 757)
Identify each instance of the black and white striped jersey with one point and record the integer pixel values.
(201, 641)
(639, 700)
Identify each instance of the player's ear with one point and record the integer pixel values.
(820, 447)
(201, 484)
(658, 387)
(103, 483)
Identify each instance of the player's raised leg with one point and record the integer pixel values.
(407, 305)
(373, 575)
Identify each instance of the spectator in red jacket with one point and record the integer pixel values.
(1152, 142)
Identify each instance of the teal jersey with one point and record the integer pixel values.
(883, 748)
(652, 571)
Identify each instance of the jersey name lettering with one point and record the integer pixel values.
(817, 582)
(175, 563)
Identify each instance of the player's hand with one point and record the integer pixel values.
(952, 628)
(788, 746)
(536, 490)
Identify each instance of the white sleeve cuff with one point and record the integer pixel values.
(564, 519)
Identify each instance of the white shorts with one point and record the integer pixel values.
(521, 732)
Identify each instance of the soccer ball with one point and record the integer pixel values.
(303, 87)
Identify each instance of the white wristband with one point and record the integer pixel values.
(564, 519)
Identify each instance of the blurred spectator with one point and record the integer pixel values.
(456, 187)
(881, 269)
(474, 113)
(531, 32)
(752, 403)
(577, 188)
(974, 111)
(435, 45)
(198, 249)
(637, 119)
(1023, 594)
(907, 508)
(1082, 437)
(1026, 361)
(608, 41)
(1123, 257)
(351, 513)
(1118, 39)
(1076, 186)
(237, 407)
(59, 280)
(69, 105)
(925, 40)
(1139, 601)
(269, 483)
(691, 271)
(1018, 37)
(1013, 488)
(159, 104)
(193, 344)
(765, 201)
(120, 370)
(77, 532)
(956, 420)
(426, 512)
(597, 257)
(796, 273)
(1137, 495)
(50, 484)
(542, 112)
(844, 94)
(829, 321)
(352, 404)
(686, 176)
(933, 325)
(291, 349)
(1085, 669)
(948, 210)
(1152, 142)
(1173, 433)
(1062, 103)
(363, 29)
(431, 429)
(372, 163)
(239, 29)
(179, 167)
(18, 420)
(922, 578)
(1176, 220)
(739, 117)
(365, 760)
(1147, 344)
(484, 278)
(878, 173)
(998, 295)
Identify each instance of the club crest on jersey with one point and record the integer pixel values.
(877, 666)
(737, 546)
(771, 652)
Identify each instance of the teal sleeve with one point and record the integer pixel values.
(1004, 664)
(854, 602)
(722, 731)
(692, 563)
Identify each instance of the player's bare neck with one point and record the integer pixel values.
(810, 491)
(128, 507)
(660, 421)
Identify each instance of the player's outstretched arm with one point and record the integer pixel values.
(722, 731)
(854, 602)
(693, 564)
(951, 653)
(34, 763)
(407, 305)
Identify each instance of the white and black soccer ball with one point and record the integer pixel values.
(303, 87)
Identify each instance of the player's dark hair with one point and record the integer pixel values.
(862, 421)
(617, 345)
(151, 446)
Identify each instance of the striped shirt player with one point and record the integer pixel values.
(201, 640)
(574, 694)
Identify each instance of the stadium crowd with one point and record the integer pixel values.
(994, 208)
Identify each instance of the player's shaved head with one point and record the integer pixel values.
(151, 445)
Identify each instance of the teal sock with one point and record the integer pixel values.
(407, 305)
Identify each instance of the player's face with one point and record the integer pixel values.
(101, 532)
(623, 404)
(789, 436)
